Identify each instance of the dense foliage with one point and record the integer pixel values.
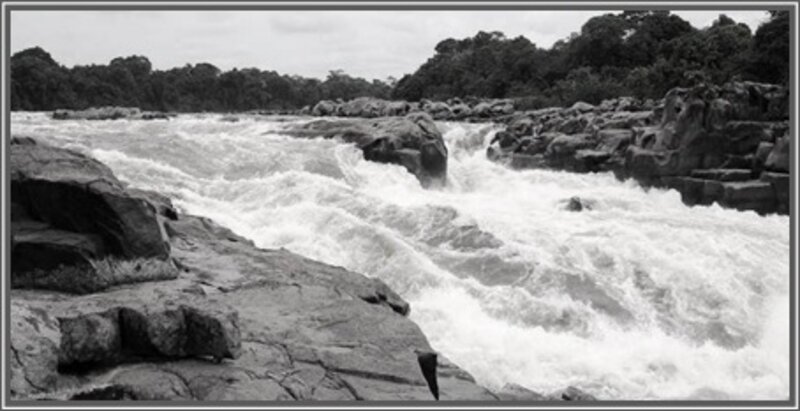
(639, 53)
(39, 83)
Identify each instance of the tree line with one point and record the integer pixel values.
(638, 53)
(39, 83)
(635, 53)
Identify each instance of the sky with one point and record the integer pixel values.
(369, 44)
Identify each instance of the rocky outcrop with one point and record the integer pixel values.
(710, 143)
(516, 392)
(451, 110)
(109, 113)
(75, 228)
(412, 141)
(238, 323)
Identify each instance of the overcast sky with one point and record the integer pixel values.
(371, 44)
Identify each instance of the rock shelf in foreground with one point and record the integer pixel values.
(237, 323)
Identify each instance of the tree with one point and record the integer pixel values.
(771, 49)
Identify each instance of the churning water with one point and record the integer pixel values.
(640, 297)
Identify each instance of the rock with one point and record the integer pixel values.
(427, 364)
(682, 142)
(575, 394)
(412, 141)
(614, 140)
(73, 192)
(460, 111)
(778, 158)
(760, 158)
(33, 350)
(585, 161)
(22, 141)
(745, 136)
(628, 120)
(396, 108)
(565, 145)
(515, 392)
(521, 126)
(750, 195)
(582, 107)
(740, 161)
(75, 228)
(723, 174)
(756, 101)
(92, 339)
(324, 108)
(561, 152)
(438, 110)
(159, 329)
(573, 125)
(780, 184)
(108, 113)
(575, 204)
(502, 107)
(38, 250)
(159, 202)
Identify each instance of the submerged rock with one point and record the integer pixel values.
(577, 204)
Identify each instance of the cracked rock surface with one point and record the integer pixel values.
(239, 323)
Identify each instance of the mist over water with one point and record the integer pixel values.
(640, 297)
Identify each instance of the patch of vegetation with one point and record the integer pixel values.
(97, 276)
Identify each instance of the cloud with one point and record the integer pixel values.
(371, 44)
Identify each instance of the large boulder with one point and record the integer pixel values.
(72, 220)
(412, 141)
(324, 108)
(438, 110)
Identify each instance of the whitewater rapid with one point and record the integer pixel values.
(640, 297)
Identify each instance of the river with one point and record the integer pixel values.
(640, 297)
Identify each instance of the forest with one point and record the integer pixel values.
(637, 53)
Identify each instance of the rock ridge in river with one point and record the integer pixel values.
(727, 144)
